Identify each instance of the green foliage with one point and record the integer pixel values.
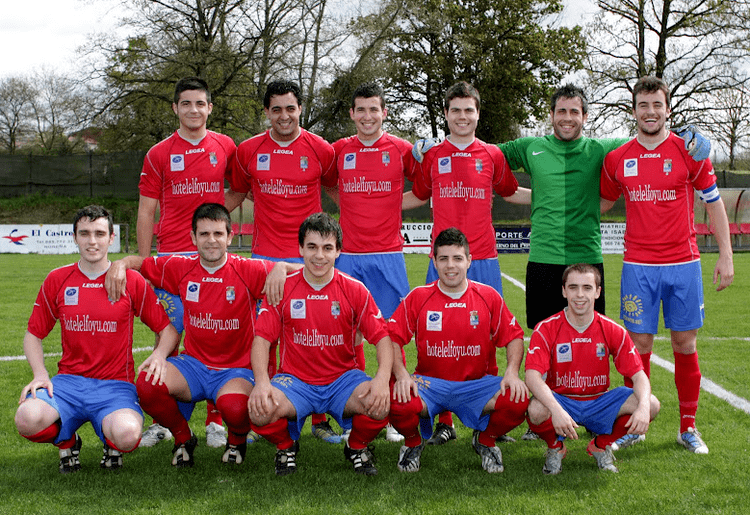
(505, 48)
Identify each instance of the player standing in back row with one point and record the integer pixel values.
(662, 262)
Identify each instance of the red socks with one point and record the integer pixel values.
(687, 378)
(48, 435)
(276, 432)
(233, 406)
(446, 418)
(157, 402)
(546, 432)
(618, 430)
(317, 418)
(364, 430)
(506, 416)
(405, 418)
(212, 414)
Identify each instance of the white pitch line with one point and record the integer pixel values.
(706, 384)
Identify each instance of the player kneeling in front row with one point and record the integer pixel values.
(219, 292)
(457, 325)
(573, 348)
(321, 311)
(95, 374)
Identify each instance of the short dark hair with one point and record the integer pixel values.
(369, 90)
(569, 91)
(189, 84)
(214, 212)
(582, 268)
(322, 223)
(448, 237)
(461, 90)
(93, 212)
(281, 87)
(651, 85)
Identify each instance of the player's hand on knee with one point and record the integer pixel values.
(33, 386)
(697, 145)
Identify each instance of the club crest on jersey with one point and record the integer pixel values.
(631, 168)
(304, 162)
(564, 352)
(263, 162)
(350, 161)
(71, 296)
(478, 165)
(434, 320)
(474, 318)
(667, 166)
(601, 351)
(386, 157)
(212, 158)
(193, 291)
(444, 165)
(167, 302)
(230, 294)
(177, 162)
(298, 308)
(335, 308)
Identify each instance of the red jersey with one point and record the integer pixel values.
(455, 338)
(371, 186)
(317, 327)
(658, 187)
(97, 335)
(219, 306)
(461, 183)
(182, 176)
(285, 183)
(577, 364)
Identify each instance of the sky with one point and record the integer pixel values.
(36, 34)
(44, 34)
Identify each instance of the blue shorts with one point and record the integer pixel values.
(81, 399)
(598, 415)
(313, 398)
(466, 399)
(679, 288)
(485, 271)
(171, 303)
(297, 259)
(204, 382)
(384, 274)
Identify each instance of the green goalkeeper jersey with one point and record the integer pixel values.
(565, 210)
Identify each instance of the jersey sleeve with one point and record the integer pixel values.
(505, 326)
(327, 156)
(230, 150)
(400, 328)
(422, 187)
(515, 152)
(609, 188)
(145, 303)
(503, 181)
(538, 357)
(626, 358)
(254, 273)
(371, 322)
(161, 273)
(44, 315)
(151, 175)
(268, 323)
(240, 179)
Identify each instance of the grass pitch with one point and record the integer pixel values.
(656, 476)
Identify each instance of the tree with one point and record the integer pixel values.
(508, 49)
(58, 111)
(16, 98)
(688, 43)
(237, 46)
(730, 123)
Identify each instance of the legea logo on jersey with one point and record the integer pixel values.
(444, 165)
(434, 320)
(193, 291)
(564, 353)
(350, 161)
(298, 308)
(263, 162)
(71, 296)
(631, 168)
(177, 162)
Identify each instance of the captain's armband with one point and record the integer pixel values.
(710, 194)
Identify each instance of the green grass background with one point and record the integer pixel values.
(655, 477)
